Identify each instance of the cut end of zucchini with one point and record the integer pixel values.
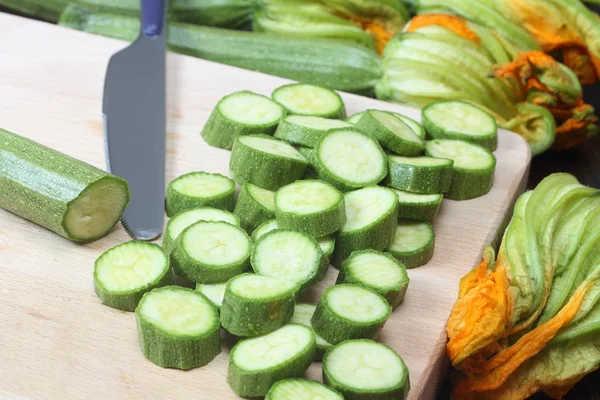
(375, 270)
(257, 287)
(305, 99)
(396, 126)
(413, 244)
(421, 161)
(367, 206)
(307, 197)
(301, 389)
(465, 155)
(249, 108)
(318, 123)
(303, 313)
(202, 184)
(271, 146)
(216, 243)
(353, 119)
(265, 197)
(420, 207)
(213, 292)
(356, 303)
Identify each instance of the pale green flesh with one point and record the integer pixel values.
(461, 117)
(303, 313)
(323, 124)
(366, 206)
(272, 146)
(258, 287)
(396, 126)
(307, 197)
(365, 365)
(181, 221)
(356, 303)
(412, 124)
(407, 197)
(273, 349)
(375, 271)
(130, 266)
(202, 185)
(95, 211)
(251, 109)
(265, 197)
(307, 99)
(465, 155)
(411, 236)
(326, 243)
(351, 156)
(353, 119)
(420, 161)
(301, 389)
(213, 291)
(216, 243)
(179, 312)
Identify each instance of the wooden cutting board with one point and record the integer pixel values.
(57, 341)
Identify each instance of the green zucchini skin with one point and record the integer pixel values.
(41, 184)
(177, 202)
(388, 140)
(420, 211)
(420, 179)
(251, 213)
(303, 136)
(338, 113)
(417, 257)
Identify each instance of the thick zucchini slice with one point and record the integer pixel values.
(391, 132)
(301, 389)
(423, 175)
(416, 127)
(178, 328)
(306, 130)
(213, 292)
(254, 206)
(420, 207)
(305, 99)
(125, 272)
(413, 243)
(256, 364)
(241, 113)
(199, 189)
(303, 313)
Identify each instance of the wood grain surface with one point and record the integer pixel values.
(56, 339)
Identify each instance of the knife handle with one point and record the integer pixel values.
(153, 17)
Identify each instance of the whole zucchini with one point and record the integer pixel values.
(330, 63)
(65, 195)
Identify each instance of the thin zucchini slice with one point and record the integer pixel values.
(254, 206)
(301, 389)
(125, 272)
(306, 130)
(349, 159)
(241, 113)
(211, 252)
(312, 206)
(413, 243)
(420, 207)
(199, 189)
(423, 175)
(305, 99)
(371, 220)
(348, 311)
(213, 292)
(179, 222)
(265, 162)
(454, 119)
(391, 132)
(364, 370)
(416, 127)
(289, 255)
(353, 119)
(178, 328)
(255, 305)
(473, 168)
(303, 313)
(256, 364)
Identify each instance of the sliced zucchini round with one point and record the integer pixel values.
(416, 127)
(305, 99)
(349, 159)
(213, 292)
(256, 364)
(473, 168)
(211, 252)
(364, 369)
(241, 113)
(455, 119)
(199, 189)
(423, 175)
(254, 206)
(301, 389)
(391, 132)
(353, 119)
(413, 243)
(348, 311)
(303, 313)
(420, 207)
(125, 272)
(255, 305)
(305, 130)
(178, 328)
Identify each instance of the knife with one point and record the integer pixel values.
(134, 114)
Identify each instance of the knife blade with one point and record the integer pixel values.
(134, 115)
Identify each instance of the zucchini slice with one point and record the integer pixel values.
(211, 252)
(349, 159)
(391, 132)
(348, 311)
(241, 113)
(377, 271)
(255, 305)
(420, 207)
(413, 243)
(179, 222)
(353, 119)
(125, 272)
(301, 389)
(423, 175)
(312, 206)
(213, 292)
(178, 328)
(266, 162)
(371, 220)
(303, 313)
(364, 369)
(416, 127)
(473, 168)
(305, 99)
(454, 119)
(256, 364)
(199, 189)
(305, 130)
(254, 206)
(289, 255)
